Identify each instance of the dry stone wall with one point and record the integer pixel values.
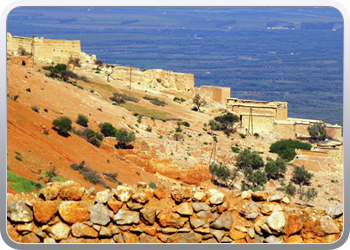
(68, 213)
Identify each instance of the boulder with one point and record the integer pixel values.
(124, 217)
(140, 197)
(99, 215)
(185, 209)
(81, 230)
(260, 195)
(199, 196)
(59, 231)
(18, 211)
(217, 198)
(294, 225)
(51, 191)
(246, 195)
(148, 216)
(73, 212)
(328, 225)
(200, 206)
(267, 208)
(223, 222)
(71, 191)
(181, 194)
(30, 238)
(123, 193)
(103, 196)
(275, 198)
(276, 221)
(170, 219)
(336, 212)
(45, 211)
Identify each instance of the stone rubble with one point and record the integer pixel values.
(67, 213)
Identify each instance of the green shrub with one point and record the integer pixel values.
(215, 125)
(63, 125)
(235, 149)
(155, 101)
(286, 148)
(256, 135)
(243, 136)
(139, 118)
(112, 177)
(35, 108)
(159, 80)
(220, 173)
(124, 137)
(254, 179)
(152, 185)
(186, 124)
(309, 195)
(317, 131)
(89, 174)
(82, 120)
(91, 136)
(149, 129)
(249, 159)
(117, 96)
(301, 176)
(179, 100)
(274, 169)
(290, 189)
(53, 174)
(107, 129)
(18, 156)
(227, 120)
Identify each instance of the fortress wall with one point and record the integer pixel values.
(281, 114)
(334, 132)
(57, 51)
(213, 93)
(255, 110)
(155, 78)
(284, 130)
(301, 129)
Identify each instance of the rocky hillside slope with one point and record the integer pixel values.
(34, 147)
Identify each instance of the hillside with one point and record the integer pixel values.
(155, 146)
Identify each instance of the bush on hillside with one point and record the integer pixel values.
(301, 176)
(107, 129)
(118, 96)
(254, 179)
(91, 136)
(63, 125)
(274, 169)
(227, 120)
(247, 158)
(124, 137)
(82, 120)
(286, 148)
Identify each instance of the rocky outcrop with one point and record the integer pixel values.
(184, 214)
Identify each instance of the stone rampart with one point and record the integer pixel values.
(57, 51)
(155, 78)
(68, 213)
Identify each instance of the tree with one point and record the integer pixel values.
(82, 120)
(52, 172)
(99, 64)
(63, 125)
(317, 131)
(249, 159)
(274, 168)
(124, 137)
(75, 61)
(227, 120)
(286, 148)
(255, 179)
(198, 101)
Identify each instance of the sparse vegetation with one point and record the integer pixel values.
(89, 174)
(122, 98)
(22, 185)
(107, 129)
(124, 138)
(275, 169)
(198, 102)
(35, 108)
(91, 136)
(179, 100)
(301, 176)
(18, 156)
(247, 158)
(155, 101)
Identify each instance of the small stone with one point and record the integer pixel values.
(115, 205)
(295, 239)
(217, 198)
(276, 221)
(25, 228)
(73, 212)
(45, 211)
(218, 234)
(169, 230)
(240, 228)
(104, 232)
(185, 209)
(142, 184)
(148, 216)
(182, 194)
(134, 206)
(30, 238)
(251, 233)
(200, 206)
(328, 225)
(140, 197)
(195, 223)
(71, 191)
(267, 208)
(274, 239)
(286, 200)
(59, 231)
(258, 239)
(337, 211)
(103, 196)
(199, 196)
(237, 235)
(246, 195)
(260, 195)
(226, 239)
(49, 240)
(223, 222)
(51, 191)
(123, 193)
(275, 198)
(81, 230)
(19, 212)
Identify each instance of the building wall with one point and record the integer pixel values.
(260, 123)
(284, 130)
(334, 132)
(214, 93)
(281, 114)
